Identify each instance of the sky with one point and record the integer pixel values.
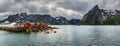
(66, 8)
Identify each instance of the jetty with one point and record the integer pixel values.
(27, 27)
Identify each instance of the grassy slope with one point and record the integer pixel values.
(112, 21)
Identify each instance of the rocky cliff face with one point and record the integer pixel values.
(23, 17)
(97, 16)
(94, 16)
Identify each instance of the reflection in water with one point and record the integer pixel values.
(68, 35)
(96, 37)
(103, 36)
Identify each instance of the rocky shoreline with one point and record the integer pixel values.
(28, 30)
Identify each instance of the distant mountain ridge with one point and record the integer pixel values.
(97, 16)
(24, 17)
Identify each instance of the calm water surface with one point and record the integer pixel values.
(68, 35)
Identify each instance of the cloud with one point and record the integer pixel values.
(66, 8)
(73, 4)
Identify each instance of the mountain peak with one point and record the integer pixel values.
(94, 16)
(96, 7)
